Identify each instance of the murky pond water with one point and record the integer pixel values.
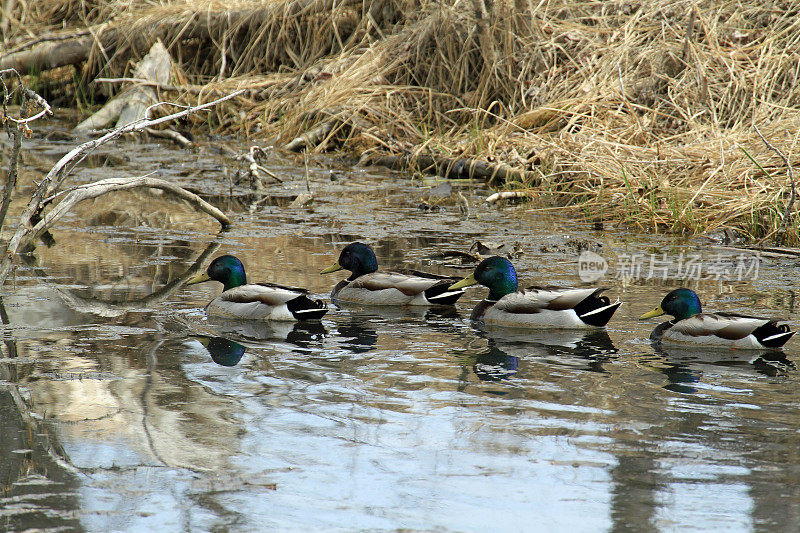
(124, 408)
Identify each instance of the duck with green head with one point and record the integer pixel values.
(255, 301)
(534, 307)
(367, 285)
(691, 325)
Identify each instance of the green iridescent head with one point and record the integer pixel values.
(226, 269)
(356, 257)
(681, 303)
(497, 273)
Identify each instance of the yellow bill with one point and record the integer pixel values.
(333, 268)
(200, 278)
(655, 312)
(466, 282)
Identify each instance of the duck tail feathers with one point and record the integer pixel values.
(773, 335)
(440, 294)
(596, 310)
(304, 308)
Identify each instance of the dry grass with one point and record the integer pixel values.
(634, 111)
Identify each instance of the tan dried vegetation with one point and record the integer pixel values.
(642, 112)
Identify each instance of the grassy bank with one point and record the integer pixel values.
(635, 112)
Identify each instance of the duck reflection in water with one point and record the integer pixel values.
(223, 351)
(299, 334)
(493, 364)
(357, 335)
(228, 352)
(684, 364)
(505, 348)
(565, 347)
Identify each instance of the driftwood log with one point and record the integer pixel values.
(120, 37)
(50, 54)
(311, 138)
(454, 168)
(132, 103)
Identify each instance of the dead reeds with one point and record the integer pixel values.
(642, 112)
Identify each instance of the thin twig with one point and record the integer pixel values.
(29, 94)
(39, 100)
(689, 32)
(15, 133)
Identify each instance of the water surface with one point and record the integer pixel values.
(125, 408)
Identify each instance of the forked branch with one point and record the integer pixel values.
(32, 223)
(99, 188)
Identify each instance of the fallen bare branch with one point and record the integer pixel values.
(49, 37)
(172, 135)
(254, 168)
(49, 55)
(132, 103)
(505, 195)
(311, 138)
(98, 188)
(493, 173)
(51, 183)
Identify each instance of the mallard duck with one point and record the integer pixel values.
(691, 325)
(534, 307)
(255, 301)
(366, 285)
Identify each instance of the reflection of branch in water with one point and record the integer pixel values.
(58, 456)
(145, 399)
(11, 346)
(118, 307)
(152, 361)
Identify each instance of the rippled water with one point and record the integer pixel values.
(124, 408)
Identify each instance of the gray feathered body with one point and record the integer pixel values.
(395, 288)
(724, 329)
(557, 307)
(265, 302)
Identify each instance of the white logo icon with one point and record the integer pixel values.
(591, 266)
